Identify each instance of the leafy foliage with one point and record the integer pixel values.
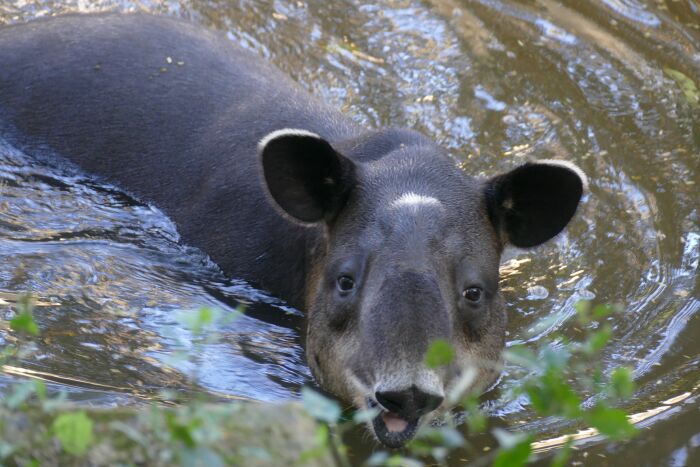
(564, 374)
(564, 380)
(515, 448)
(612, 423)
(687, 85)
(23, 322)
(321, 408)
(440, 353)
(74, 431)
(621, 384)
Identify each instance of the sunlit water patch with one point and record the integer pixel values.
(497, 83)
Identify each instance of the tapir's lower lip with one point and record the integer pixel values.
(391, 429)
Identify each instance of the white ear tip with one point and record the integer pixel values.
(570, 166)
(282, 133)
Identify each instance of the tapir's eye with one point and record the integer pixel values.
(346, 283)
(473, 294)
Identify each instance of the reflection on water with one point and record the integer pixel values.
(496, 82)
(109, 276)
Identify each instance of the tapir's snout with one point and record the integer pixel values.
(406, 315)
(409, 403)
(400, 412)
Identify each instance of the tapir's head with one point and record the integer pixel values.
(409, 254)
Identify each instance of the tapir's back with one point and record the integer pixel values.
(113, 91)
(168, 110)
(125, 86)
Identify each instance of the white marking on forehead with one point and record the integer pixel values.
(285, 132)
(414, 200)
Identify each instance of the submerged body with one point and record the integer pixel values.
(376, 234)
(99, 91)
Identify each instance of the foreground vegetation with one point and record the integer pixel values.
(565, 380)
(36, 432)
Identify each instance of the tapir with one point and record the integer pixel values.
(378, 235)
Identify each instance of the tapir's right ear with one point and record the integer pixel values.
(306, 177)
(534, 202)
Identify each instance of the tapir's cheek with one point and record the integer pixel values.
(334, 309)
(336, 367)
(473, 322)
(329, 351)
(339, 314)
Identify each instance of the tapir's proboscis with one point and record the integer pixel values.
(376, 234)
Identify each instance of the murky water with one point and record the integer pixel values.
(496, 82)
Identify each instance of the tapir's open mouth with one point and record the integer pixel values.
(390, 428)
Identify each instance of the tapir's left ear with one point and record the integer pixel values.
(306, 177)
(534, 202)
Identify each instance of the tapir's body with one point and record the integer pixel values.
(172, 113)
(377, 234)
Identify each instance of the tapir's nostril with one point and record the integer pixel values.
(409, 403)
(391, 401)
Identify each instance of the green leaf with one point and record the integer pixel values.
(322, 435)
(377, 459)
(198, 320)
(40, 390)
(555, 358)
(465, 385)
(439, 353)
(24, 322)
(319, 406)
(475, 417)
(602, 311)
(550, 394)
(7, 352)
(201, 456)
(19, 394)
(364, 415)
(444, 436)
(397, 460)
(587, 313)
(129, 431)
(612, 423)
(687, 85)
(305, 457)
(6, 449)
(421, 446)
(506, 439)
(521, 356)
(450, 437)
(583, 311)
(181, 431)
(25, 303)
(52, 403)
(597, 340)
(621, 383)
(74, 432)
(514, 449)
(476, 421)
